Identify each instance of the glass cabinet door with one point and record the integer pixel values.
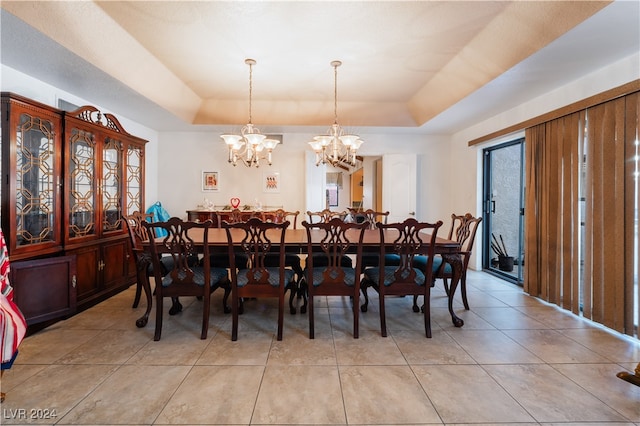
(111, 185)
(35, 195)
(82, 194)
(134, 179)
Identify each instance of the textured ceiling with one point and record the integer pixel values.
(404, 63)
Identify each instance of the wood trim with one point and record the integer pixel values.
(591, 101)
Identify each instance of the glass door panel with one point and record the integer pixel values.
(503, 213)
(111, 184)
(82, 183)
(35, 181)
(134, 179)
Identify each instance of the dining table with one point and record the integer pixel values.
(295, 241)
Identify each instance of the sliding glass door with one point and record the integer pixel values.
(504, 210)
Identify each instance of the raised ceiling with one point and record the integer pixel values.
(405, 64)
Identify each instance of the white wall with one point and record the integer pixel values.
(183, 157)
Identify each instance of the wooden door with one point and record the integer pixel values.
(45, 289)
(113, 266)
(357, 186)
(87, 265)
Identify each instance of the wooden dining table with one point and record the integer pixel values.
(295, 241)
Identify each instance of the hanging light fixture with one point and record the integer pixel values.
(250, 145)
(336, 147)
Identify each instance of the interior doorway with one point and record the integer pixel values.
(503, 216)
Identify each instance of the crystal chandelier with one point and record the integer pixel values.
(250, 145)
(336, 147)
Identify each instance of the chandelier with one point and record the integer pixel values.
(250, 145)
(336, 147)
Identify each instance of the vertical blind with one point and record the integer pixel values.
(581, 249)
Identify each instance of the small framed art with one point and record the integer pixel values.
(210, 181)
(271, 182)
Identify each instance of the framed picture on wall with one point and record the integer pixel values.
(210, 181)
(271, 182)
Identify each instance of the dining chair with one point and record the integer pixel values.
(282, 215)
(137, 237)
(291, 260)
(370, 217)
(463, 230)
(354, 211)
(187, 276)
(330, 277)
(235, 216)
(256, 239)
(407, 240)
(323, 215)
(220, 258)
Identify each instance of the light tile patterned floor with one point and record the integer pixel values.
(516, 361)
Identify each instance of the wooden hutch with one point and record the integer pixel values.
(67, 179)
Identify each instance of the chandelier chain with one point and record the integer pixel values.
(250, 89)
(335, 92)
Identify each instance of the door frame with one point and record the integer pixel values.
(486, 212)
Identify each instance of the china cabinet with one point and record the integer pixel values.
(67, 180)
(103, 176)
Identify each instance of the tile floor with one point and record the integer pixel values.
(515, 361)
